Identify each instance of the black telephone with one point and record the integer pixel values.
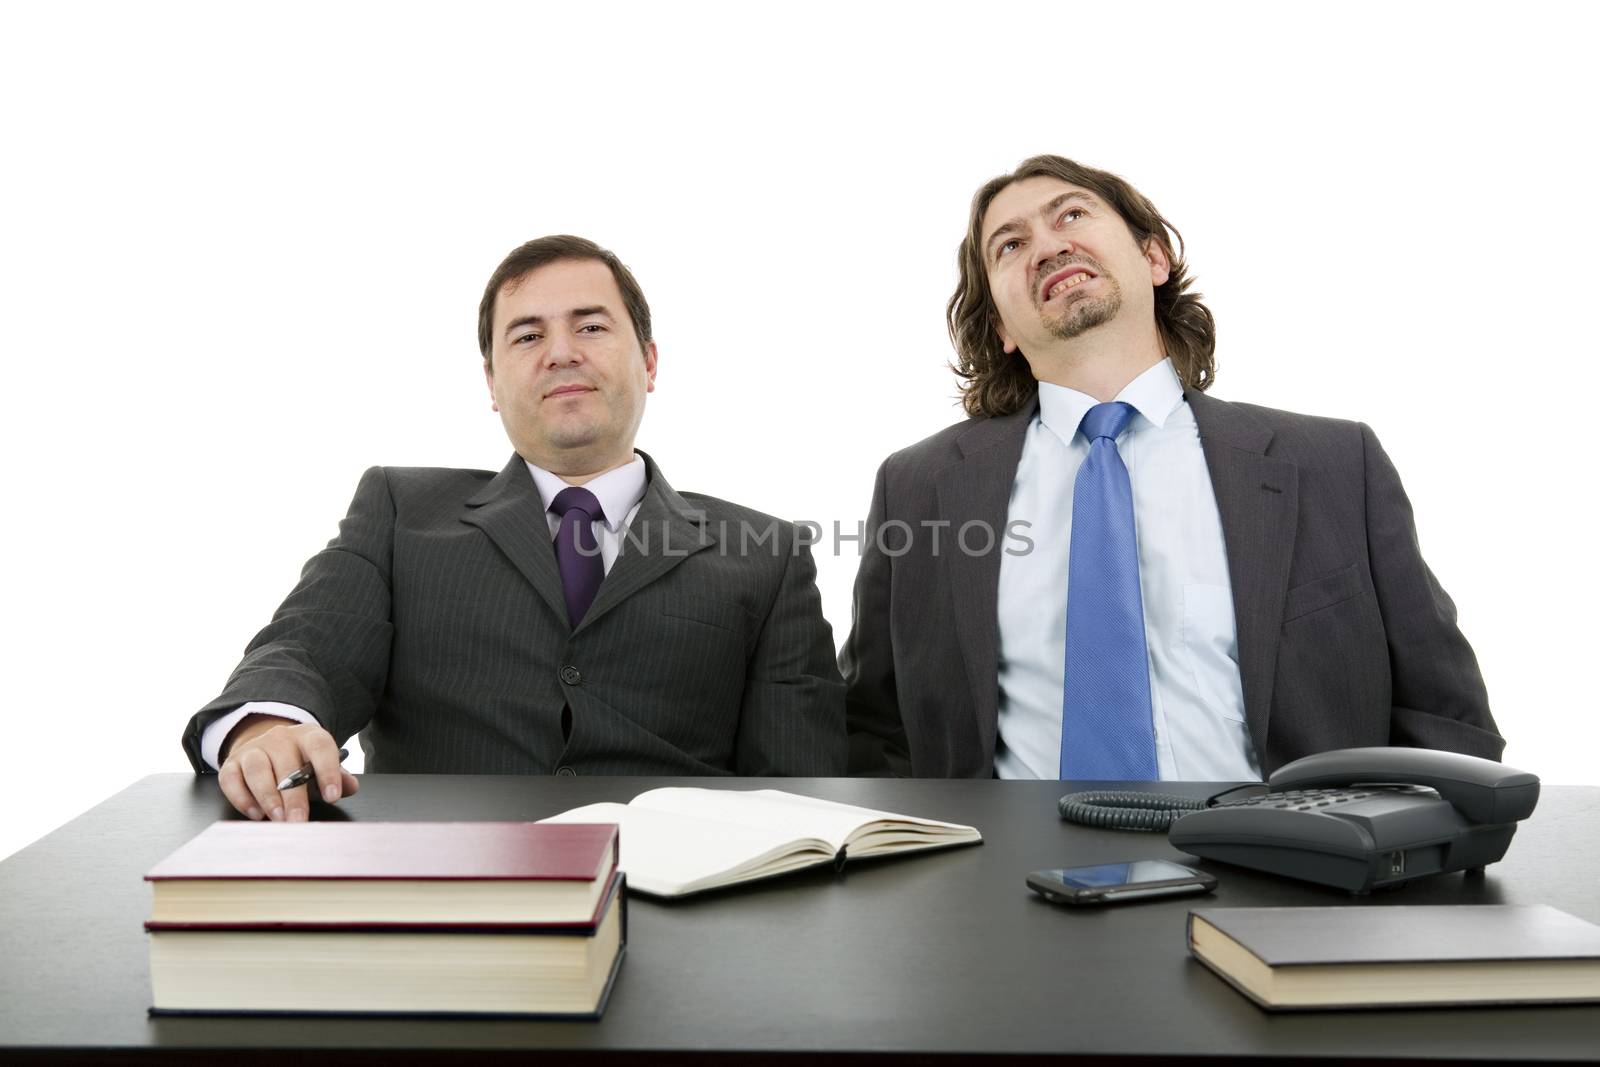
(1364, 818)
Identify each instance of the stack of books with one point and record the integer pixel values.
(349, 917)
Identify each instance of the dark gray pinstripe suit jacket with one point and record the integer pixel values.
(1345, 638)
(434, 624)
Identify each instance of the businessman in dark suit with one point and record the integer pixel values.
(572, 614)
(1105, 573)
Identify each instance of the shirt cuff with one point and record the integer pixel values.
(211, 740)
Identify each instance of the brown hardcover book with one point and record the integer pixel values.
(378, 874)
(1401, 956)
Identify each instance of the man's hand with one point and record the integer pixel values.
(263, 749)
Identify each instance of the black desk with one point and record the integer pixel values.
(939, 953)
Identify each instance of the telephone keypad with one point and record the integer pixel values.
(1301, 799)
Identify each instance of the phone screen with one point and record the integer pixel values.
(1108, 875)
(1105, 883)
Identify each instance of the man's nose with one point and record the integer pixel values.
(564, 351)
(1050, 248)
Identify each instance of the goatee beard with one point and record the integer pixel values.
(1085, 315)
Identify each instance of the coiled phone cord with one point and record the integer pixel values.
(1126, 811)
(1155, 812)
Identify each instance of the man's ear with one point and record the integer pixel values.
(1155, 253)
(488, 377)
(1007, 345)
(650, 367)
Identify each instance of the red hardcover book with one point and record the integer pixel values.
(384, 874)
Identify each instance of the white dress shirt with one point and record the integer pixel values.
(620, 493)
(1197, 701)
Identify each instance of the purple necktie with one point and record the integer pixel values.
(577, 552)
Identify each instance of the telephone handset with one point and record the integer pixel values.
(1482, 790)
(1362, 818)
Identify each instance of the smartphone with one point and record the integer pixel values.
(1112, 883)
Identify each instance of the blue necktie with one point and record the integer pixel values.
(577, 552)
(1106, 731)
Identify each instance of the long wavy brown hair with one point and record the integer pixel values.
(995, 382)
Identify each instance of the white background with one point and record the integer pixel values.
(241, 248)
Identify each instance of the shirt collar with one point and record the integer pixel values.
(1155, 395)
(617, 490)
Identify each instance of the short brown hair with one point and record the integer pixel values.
(542, 251)
(995, 382)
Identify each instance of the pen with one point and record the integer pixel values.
(303, 775)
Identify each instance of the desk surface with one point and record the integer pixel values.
(943, 952)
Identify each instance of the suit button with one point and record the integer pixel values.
(571, 675)
(566, 772)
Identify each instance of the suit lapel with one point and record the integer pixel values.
(1258, 499)
(510, 510)
(666, 531)
(978, 488)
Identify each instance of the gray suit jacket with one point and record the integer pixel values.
(434, 624)
(1344, 636)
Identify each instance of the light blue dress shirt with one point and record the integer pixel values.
(1197, 700)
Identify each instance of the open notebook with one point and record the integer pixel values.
(677, 841)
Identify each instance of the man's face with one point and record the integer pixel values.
(568, 378)
(1061, 262)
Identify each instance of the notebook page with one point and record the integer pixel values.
(796, 815)
(669, 853)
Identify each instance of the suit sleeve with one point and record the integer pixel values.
(1438, 693)
(326, 649)
(791, 720)
(877, 733)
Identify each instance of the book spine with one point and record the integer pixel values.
(618, 883)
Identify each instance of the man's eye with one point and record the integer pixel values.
(595, 326)
(1007, 247)
(527, 337)
(1071, 213)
